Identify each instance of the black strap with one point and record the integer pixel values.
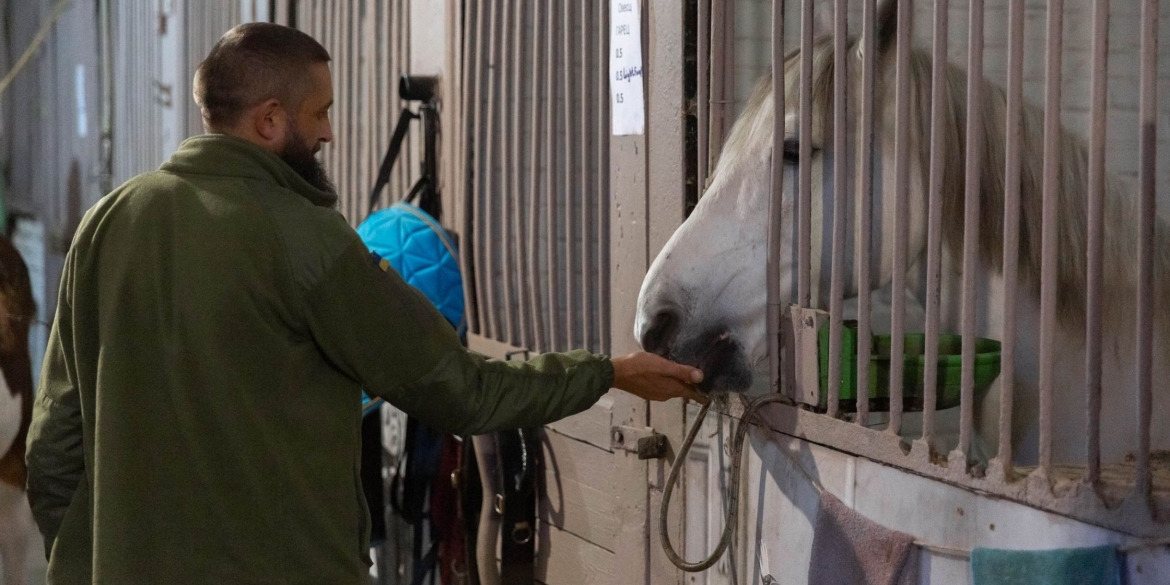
(470, 493)
(420, 186)
(424, 563)
(391, 155)
(519, 459)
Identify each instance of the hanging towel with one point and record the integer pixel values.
(850, 549)
(1066, 566)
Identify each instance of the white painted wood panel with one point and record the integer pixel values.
(566, 559)
(594, 426)
(578, 495)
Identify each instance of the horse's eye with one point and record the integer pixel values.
(792, 151)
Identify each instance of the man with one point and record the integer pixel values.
(198, 415)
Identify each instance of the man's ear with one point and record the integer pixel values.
(270, 120)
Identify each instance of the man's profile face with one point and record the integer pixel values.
(309, 128)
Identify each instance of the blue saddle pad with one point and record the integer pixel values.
(420, 250)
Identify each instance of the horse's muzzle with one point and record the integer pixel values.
(722, 359)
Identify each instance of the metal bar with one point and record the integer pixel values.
(728, 70)
(552, 317)
(586, 183)
(355, 147)
(360, 130)
(330, 27)
(408, 168)
(369, 102)
(1096, 204)
(717, 79)
(470, 97)
(346, 140)
(864, 210)
(775, 215)
(485, 219)
(934, 221)
(507, 137)
(804, 207)
(1147, 205)
(536, 315)
(974, 170)
(524, 50)
(341, 116)
(703, 61)
(901, 222)
(135, 64)
(1011, 227)
(569, 185)
(383, 118)
(1048, 267)
(603, 134)
(527, 64)
(401, 169)
(516, 272)
(840, 193)
(126, 35)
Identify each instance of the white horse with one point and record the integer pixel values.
(17, 310)
(703, 300)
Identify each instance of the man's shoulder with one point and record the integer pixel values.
(131, 198)
(313, 237)
(153, 183)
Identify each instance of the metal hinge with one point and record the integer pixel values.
(644, 441)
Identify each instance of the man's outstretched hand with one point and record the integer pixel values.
(651, 377)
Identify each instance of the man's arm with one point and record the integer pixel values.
(387, 335)
(55, 455)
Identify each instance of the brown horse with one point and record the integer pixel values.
(17, 313)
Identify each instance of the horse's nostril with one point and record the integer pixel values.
(660, 334)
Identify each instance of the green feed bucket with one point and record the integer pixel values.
(950, 369)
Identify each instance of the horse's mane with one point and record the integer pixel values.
(751, 139)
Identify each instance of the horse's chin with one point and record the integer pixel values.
(723, 361)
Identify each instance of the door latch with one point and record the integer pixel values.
(644, 441)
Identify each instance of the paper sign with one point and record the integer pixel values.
(627, 102)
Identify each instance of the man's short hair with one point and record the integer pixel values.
(252, 63)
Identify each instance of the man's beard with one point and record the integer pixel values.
(304, 161)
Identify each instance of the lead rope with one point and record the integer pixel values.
(733, 487)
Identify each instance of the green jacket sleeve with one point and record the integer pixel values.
(388, 336)
(55, 454)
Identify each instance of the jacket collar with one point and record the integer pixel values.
(228, 156)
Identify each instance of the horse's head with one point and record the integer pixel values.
(703, 301)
